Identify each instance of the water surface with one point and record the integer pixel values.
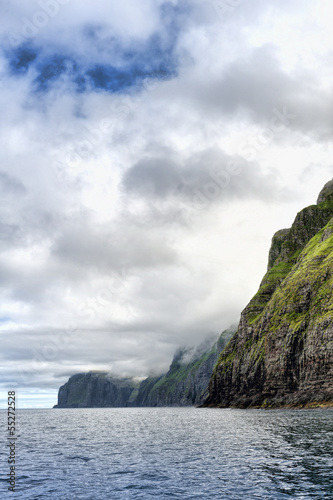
(180, 453)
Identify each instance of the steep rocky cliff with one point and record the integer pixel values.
(96, 390)
(282, 353)
(185, 384)
(187, 380)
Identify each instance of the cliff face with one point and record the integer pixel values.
(96, 390)
(282, 353)
(187, 380)
(185, 384)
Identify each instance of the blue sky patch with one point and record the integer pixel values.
(154, 60)
(112, 79)
(127, 65)
(50, 70)
(21, 59)
(5, 319)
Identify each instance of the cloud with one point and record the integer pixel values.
(153, 177)
(99, 59)
(209, 175)
(150, 150)
(257, 89)
(107, 250)
(9, 184)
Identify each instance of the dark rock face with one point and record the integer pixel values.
(276, 247)
(95, 390)
(145, 389)
(326, 194)
(282, 353)
(185, 384)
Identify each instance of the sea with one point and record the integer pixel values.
(170, 453)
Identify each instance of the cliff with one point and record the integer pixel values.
(185, 384)
(187, 380)
(96, 390)
(282, 352)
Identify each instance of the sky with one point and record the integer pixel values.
(149, 152)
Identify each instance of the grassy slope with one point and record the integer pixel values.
(180, 373)
(308, 281)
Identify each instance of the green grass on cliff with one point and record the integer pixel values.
(168, 383)
(270, 282)
(292, 295)
(305, 227)
(180, 373)
(306, 295)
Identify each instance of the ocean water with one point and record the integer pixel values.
(171, 453)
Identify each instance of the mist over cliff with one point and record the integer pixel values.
(280, 355)
(185, 383)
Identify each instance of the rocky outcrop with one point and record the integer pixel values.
(185, 384)
(282, 353)
(326, 194)
(97, 390)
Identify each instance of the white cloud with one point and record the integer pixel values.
(125, 229)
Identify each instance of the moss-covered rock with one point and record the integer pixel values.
(186, 382)
(326, 194)
(282, 353)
